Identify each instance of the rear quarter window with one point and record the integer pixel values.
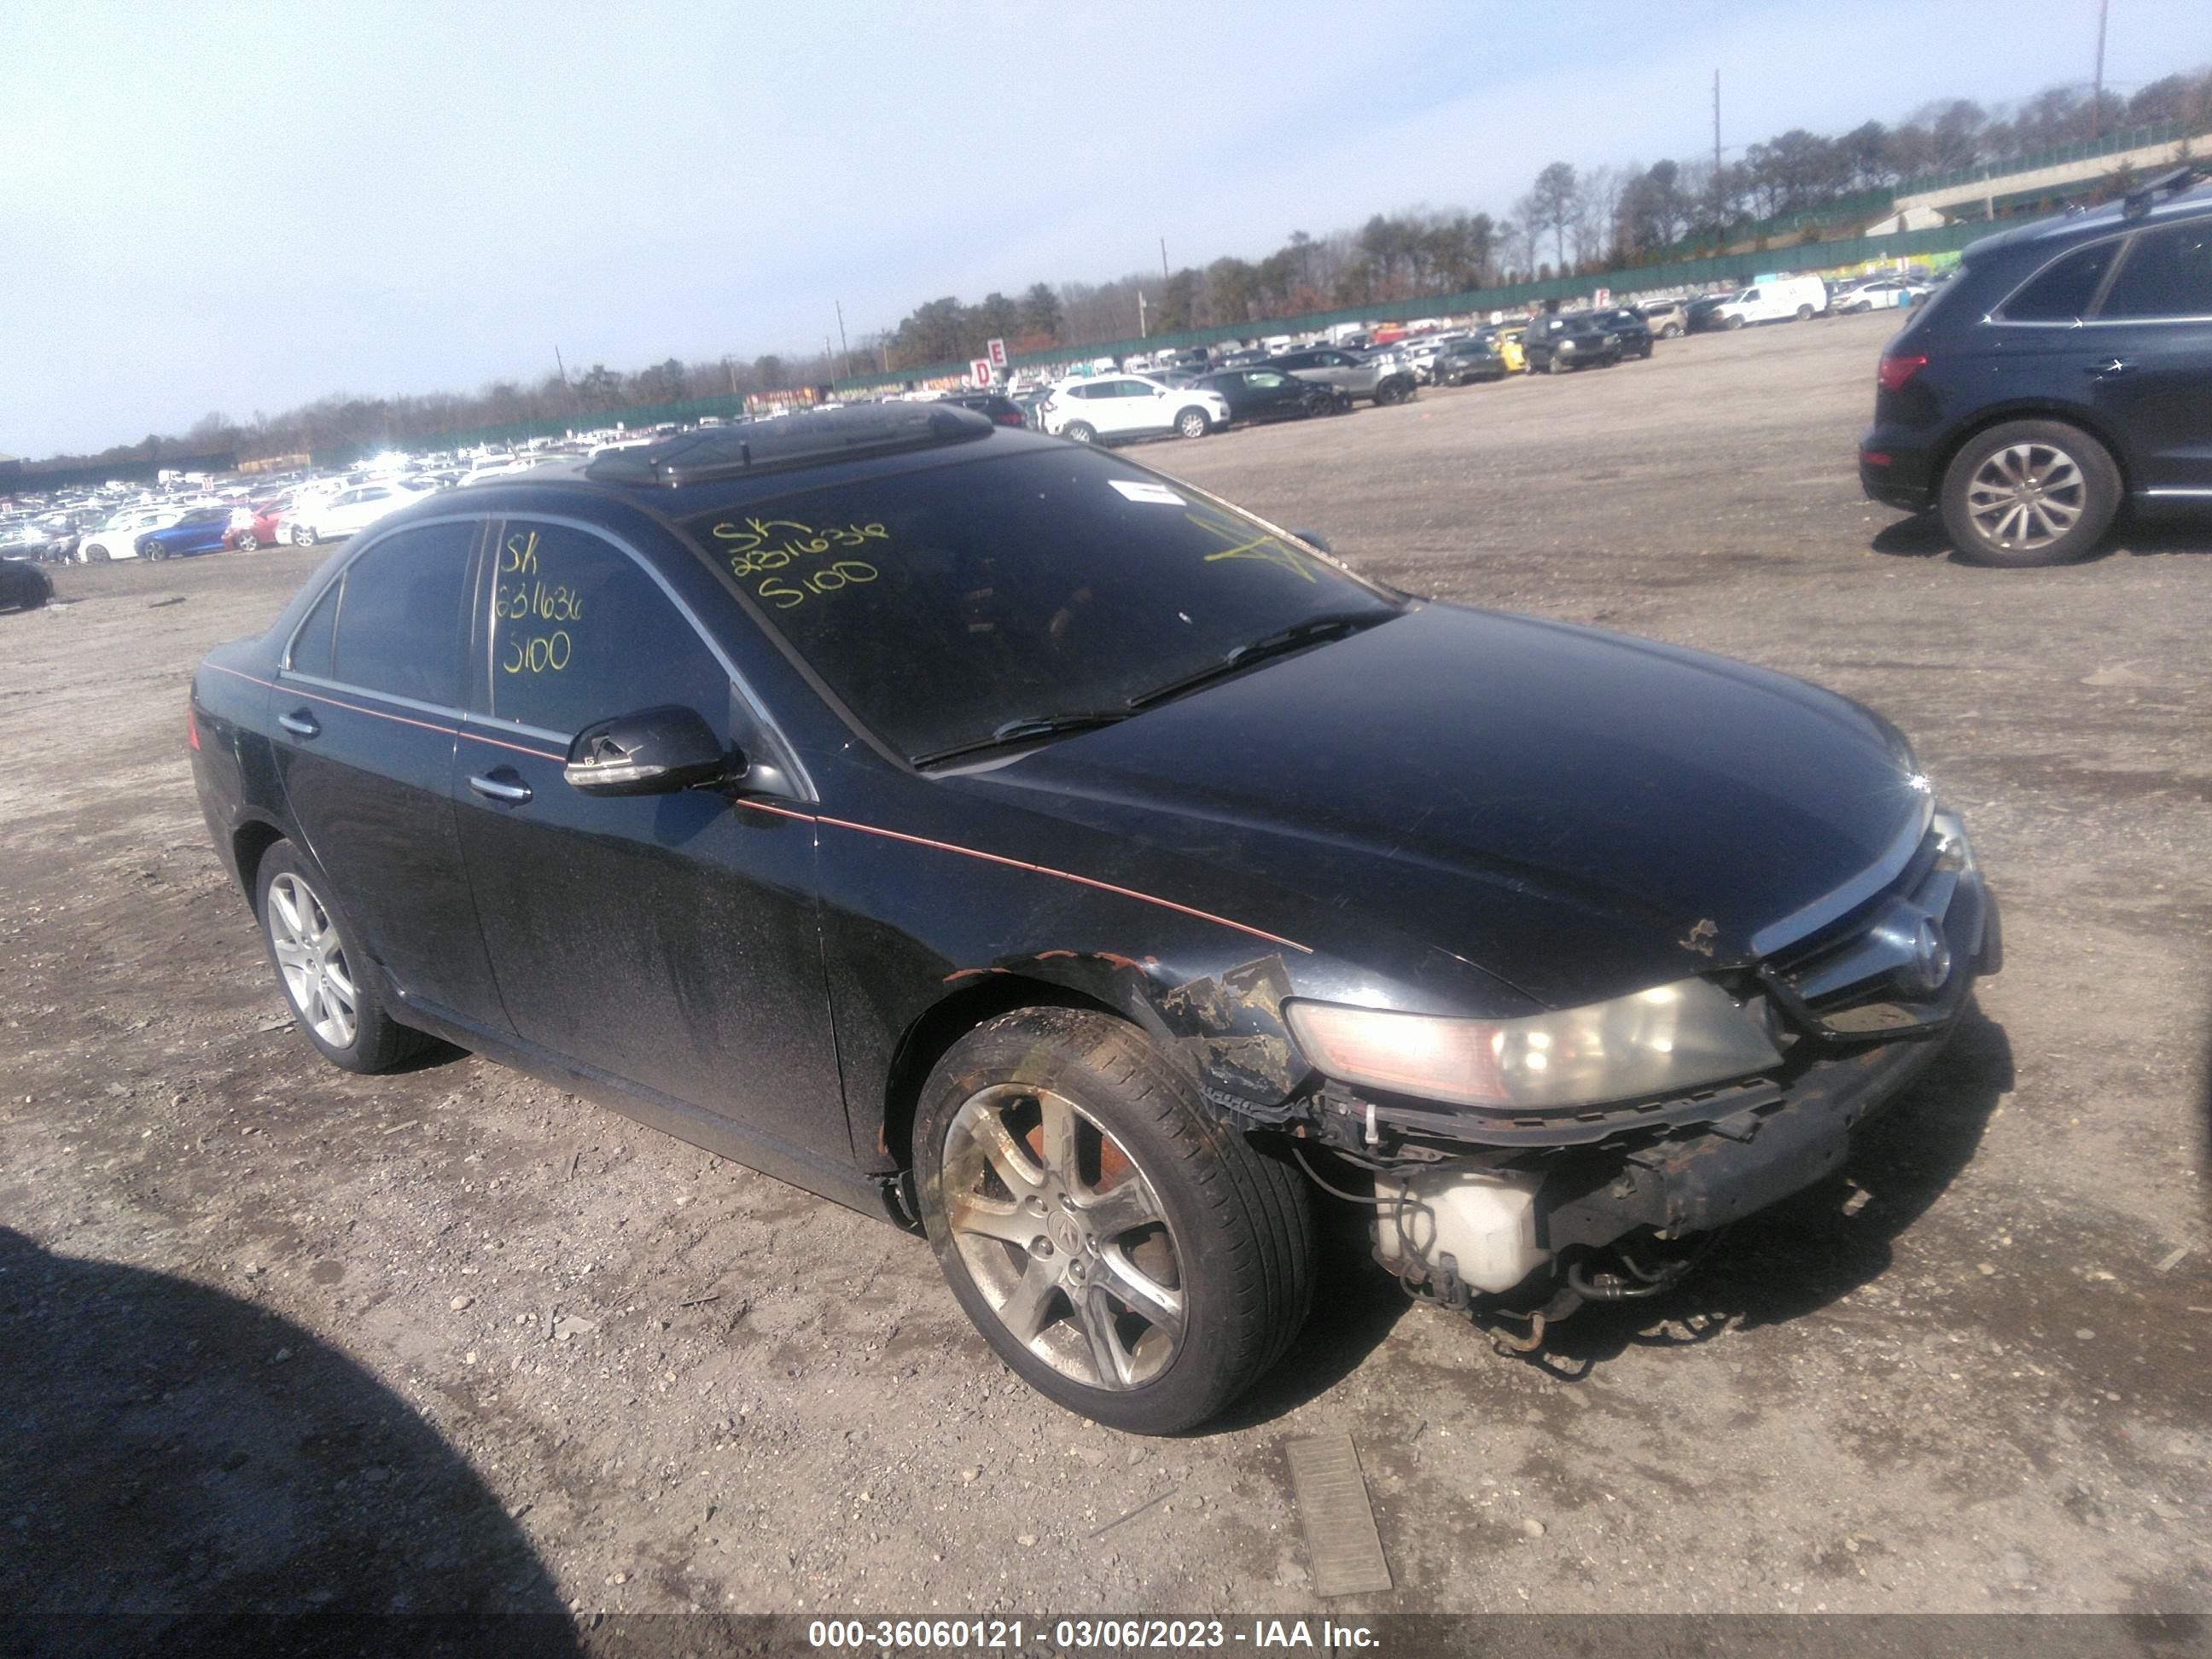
(2062, 291)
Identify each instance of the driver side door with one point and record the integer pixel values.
(669, 941)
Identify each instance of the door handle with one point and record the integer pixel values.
(301, 723)
(508, 789)
(2104, 371)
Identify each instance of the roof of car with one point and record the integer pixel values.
(811, 438)
(2153, 203)
(721, 467)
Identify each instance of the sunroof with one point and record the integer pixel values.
(812, 438)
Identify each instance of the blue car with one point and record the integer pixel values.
(200, 530)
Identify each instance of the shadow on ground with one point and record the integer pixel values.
(178, 1463)
(1922, 536)
(1808, 1251)
(1356, 1304)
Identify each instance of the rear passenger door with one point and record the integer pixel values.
(2152, 362)
(367, 705)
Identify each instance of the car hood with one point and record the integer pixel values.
(1575, 813)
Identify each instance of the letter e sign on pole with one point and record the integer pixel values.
(979, 370)
(996, 350)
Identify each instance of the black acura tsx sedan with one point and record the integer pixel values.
(1001, 837)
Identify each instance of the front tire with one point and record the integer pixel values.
(1193, 423)
(326, 978)
(303, 534)
(2030, 493)
(1130, 1257)
(1079, 431)
(1804, 313)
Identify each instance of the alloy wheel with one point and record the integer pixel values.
(2026, 497)
(1064, 1236)
(304, 938)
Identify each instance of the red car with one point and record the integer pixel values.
(264, 531)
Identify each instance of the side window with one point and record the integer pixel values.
(2062, 291)
(1749, 295)
(1264, 382)
(580, 633)
(400, 617)
(311, 646)
(2167, 273)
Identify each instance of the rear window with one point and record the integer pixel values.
(2060, 291)
(2167, 273)
(941, 603)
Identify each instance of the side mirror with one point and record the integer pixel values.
(1314, 538)
(654, 751)
(1159, 391)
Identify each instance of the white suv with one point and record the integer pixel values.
(1105, 407)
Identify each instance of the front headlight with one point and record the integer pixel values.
(1566, 345)
(1953, 852)
(1670, 1037)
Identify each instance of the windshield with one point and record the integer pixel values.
(942, 603)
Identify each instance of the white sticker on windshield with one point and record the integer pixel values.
(1136, 489)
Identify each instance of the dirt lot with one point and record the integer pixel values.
(450, 1339)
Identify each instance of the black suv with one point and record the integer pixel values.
(1635, 333)
(1564, 340)
(2067, 368)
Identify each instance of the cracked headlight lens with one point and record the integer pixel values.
(1670, 1037)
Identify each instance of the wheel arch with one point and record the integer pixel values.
(2059, 414)
(249, 844)
(932, 1034)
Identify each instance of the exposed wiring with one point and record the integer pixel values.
(1313, 1176)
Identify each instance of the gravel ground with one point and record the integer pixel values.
(281, 1337)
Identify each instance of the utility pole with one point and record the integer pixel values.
(844, 346)
(1142, 332)
(732, 370)
(1163, 258)
(1720, 233)
(2097, 93)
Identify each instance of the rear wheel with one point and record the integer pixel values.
(1193, 423)
(1129, 1256)
(325, 978)
(1078, 432)
(1804, 313)
(303, 534)
(1672, 330)
(2030, 493)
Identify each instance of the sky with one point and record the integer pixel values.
(242, 207)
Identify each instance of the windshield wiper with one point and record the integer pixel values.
(1026, 728)
(1295, 637)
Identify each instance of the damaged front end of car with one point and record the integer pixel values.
(1519, 1168)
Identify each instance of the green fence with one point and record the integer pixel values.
(1688, 273)
(2159, 132)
